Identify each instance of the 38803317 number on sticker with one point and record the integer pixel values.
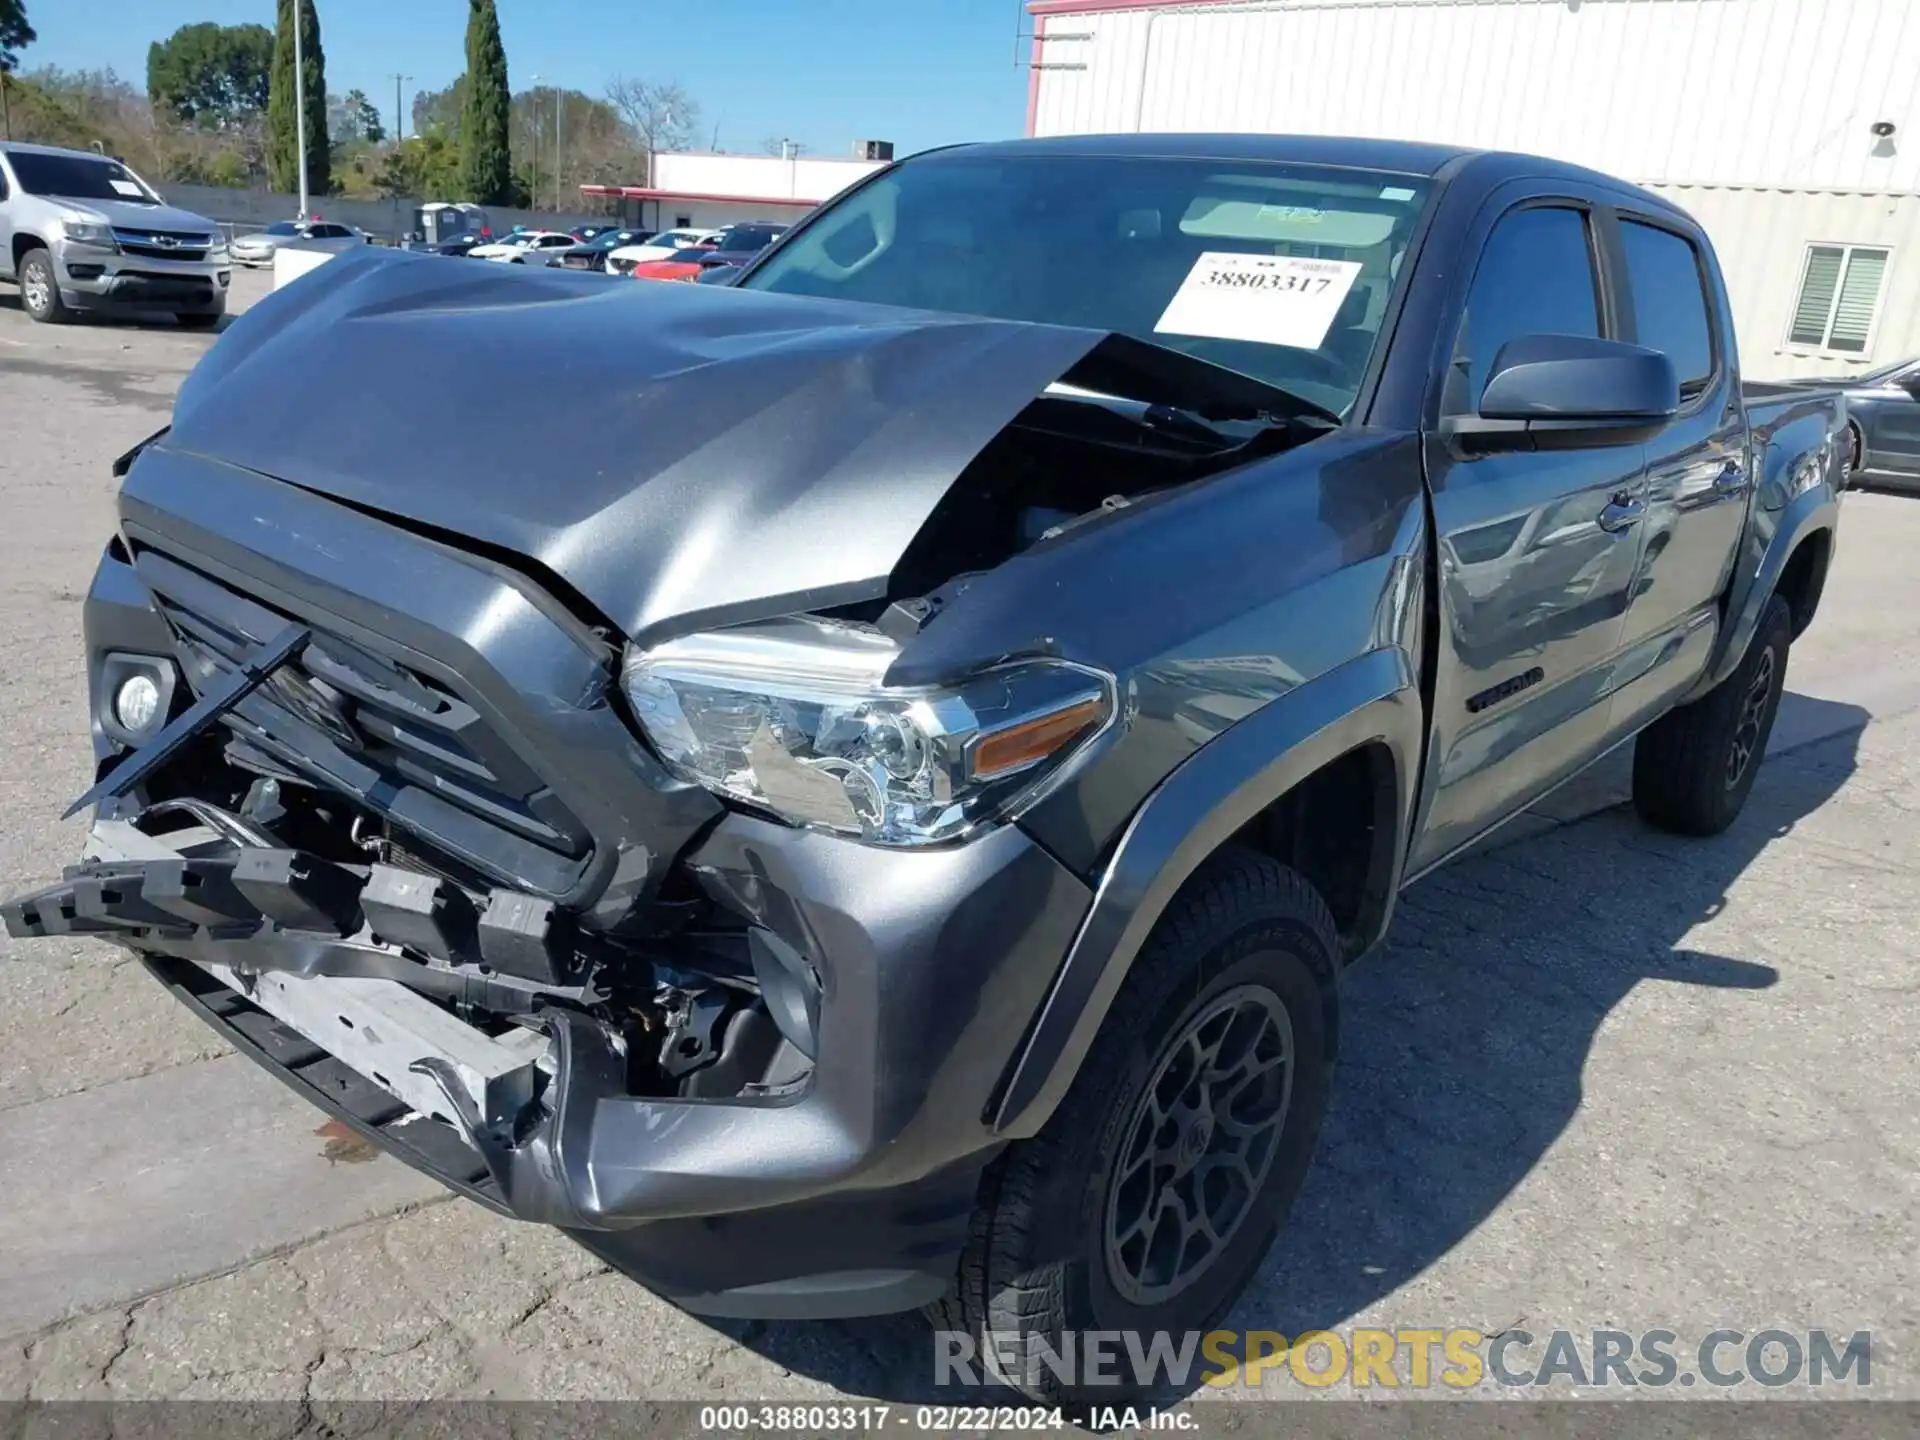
(1268, 299)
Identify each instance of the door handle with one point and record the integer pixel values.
(1732, 479)
(1622, 513)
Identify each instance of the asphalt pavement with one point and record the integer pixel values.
(1600, 1078)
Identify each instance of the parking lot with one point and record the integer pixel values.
(1601, 1078)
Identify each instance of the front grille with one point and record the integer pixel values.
(400, 742)
(164, 244)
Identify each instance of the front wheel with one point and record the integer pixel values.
(1153, 1193)
(40, 289)
(1694, 767)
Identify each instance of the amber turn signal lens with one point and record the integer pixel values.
(1018, 746)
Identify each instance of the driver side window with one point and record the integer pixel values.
(1536, 277)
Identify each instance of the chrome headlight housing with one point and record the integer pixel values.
(793, 717)
(87, 232)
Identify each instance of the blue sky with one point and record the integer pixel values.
(824, 72)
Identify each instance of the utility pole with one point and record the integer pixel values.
(559, 110)
(533, 154)
(399, 115)
(300, 106)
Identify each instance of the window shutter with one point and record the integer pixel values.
(1817, 289)
(1859, 296)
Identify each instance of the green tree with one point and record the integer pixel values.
(486, 155)
(439, 111)
(15, 33)
(355, 117)
(283, 143)
(211, 74)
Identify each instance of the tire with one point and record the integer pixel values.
(1856, 453)
(197, 321)
(40, 289)
(1053, 1252)
(1694, 767)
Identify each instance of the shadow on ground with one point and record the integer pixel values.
(10, 301)
(1464, 1041)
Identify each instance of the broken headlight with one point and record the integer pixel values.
(793, 717)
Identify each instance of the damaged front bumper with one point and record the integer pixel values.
(845, 1193)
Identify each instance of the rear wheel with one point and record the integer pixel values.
(1694, 767)
(40, 289)
(1153, 1193)
(1856, 456)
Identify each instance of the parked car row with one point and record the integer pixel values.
(680, 254)
(259, 247)
(695, 254)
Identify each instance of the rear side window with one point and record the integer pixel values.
(1670, 301)
(1535, 277)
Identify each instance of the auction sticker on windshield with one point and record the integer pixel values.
(1268, 299)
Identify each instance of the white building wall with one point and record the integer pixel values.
(764, 176)
(1744, 111)
(1761, 237)
(1727, 92)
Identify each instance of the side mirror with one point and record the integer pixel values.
(1911, 384)
(1556, 391)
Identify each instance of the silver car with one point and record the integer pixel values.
(80, 231)
(258, 248)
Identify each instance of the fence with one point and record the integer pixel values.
(239, 211)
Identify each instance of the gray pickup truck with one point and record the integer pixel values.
(858, 790)
(80, 231)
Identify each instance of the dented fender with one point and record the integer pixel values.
(1373, 699)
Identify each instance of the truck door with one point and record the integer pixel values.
(6, 224)
(1536, 547)
(1698, 481)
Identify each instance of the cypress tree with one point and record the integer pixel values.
(486, 156)
(282, 129)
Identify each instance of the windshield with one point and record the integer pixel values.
(76, 177)
(1279, 271)
(746, 237)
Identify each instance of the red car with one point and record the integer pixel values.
(683, 264)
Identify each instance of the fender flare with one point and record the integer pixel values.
(1196, 809)
(1804, 516)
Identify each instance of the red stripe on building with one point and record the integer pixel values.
(1038, 8)
(641, 192)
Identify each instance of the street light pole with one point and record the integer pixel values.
(533, 157)
(300, 106)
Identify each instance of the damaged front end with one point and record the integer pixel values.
(580, 842)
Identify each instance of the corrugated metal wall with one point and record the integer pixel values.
(1756, 115)
(1728, 92)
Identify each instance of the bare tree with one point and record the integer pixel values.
(661, 116)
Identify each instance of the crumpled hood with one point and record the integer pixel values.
(679, 455)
